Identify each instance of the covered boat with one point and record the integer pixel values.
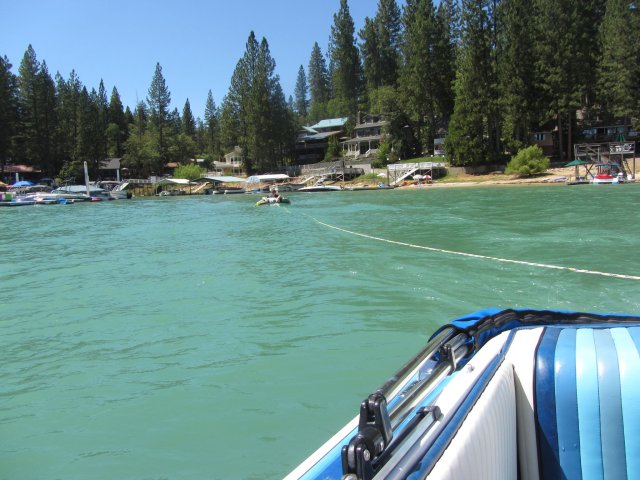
(512, 394)
(608, 174)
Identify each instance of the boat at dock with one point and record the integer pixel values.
(321, 187)
(116, 190)
(18, 202)
(380, 186)
(609, 174)
(76, 193)
(10, 199)
(265, 183)
(501, 394)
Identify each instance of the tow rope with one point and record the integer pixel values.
(475, 255)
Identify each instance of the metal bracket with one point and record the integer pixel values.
(374, 434)
(449, 356)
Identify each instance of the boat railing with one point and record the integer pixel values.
(374, 443)
(450, 353)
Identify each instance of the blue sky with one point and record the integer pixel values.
(197, 42)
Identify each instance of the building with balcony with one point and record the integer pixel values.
(368, 134)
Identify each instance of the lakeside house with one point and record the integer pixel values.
(15, 173)
(368, 134)
(110, 169)
(312, 141)
(232, 162)
(544, 139)
(597, 137)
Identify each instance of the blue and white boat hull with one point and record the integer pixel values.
(501, 395)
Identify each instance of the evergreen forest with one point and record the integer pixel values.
(488, 73)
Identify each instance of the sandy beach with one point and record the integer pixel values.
(552, 176)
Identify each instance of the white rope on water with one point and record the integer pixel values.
(474, 255)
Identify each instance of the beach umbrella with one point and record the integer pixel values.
(418, 177)
(23, 183)
(576, 163)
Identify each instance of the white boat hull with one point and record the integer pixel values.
(321, 188)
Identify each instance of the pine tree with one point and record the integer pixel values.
(619, 65)
(284, 128)
(587, 19)
(29, 107)
(318, 84)
(93, 130)
(261, 131)
(301, 103)
(517, 74)
(175, 144)
(140, 145)
(212, 128)
(159, 100)
(371, 57)
(229, 124)
(117, 126)
(8, 111)
(444, 61)
(450, 12)
(418, 78)
(566, 61)
(345, 68)
(188, 122)
(388, 22)
(471, 138)
(253, 107)
(46, 121)
(102, 119)
(86, 145)
(67, 113)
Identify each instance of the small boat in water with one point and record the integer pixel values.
(321, 187)
(272, 201)
(501, 394)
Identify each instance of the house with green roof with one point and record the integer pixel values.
(312, 141)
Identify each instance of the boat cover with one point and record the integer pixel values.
(483, 325)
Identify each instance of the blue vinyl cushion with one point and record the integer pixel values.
(587, 400)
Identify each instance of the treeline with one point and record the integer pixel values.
(487, 72)
(58, 124)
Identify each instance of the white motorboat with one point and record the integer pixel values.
(321, 187)
(66, 193)
(117, 190)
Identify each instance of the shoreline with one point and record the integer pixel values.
(553, 176)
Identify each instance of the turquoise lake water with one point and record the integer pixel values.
(203, 337)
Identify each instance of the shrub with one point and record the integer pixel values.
(190, 171)
(527, 162)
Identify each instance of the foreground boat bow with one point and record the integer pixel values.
(501, 394)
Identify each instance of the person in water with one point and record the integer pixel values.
(274, 197)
